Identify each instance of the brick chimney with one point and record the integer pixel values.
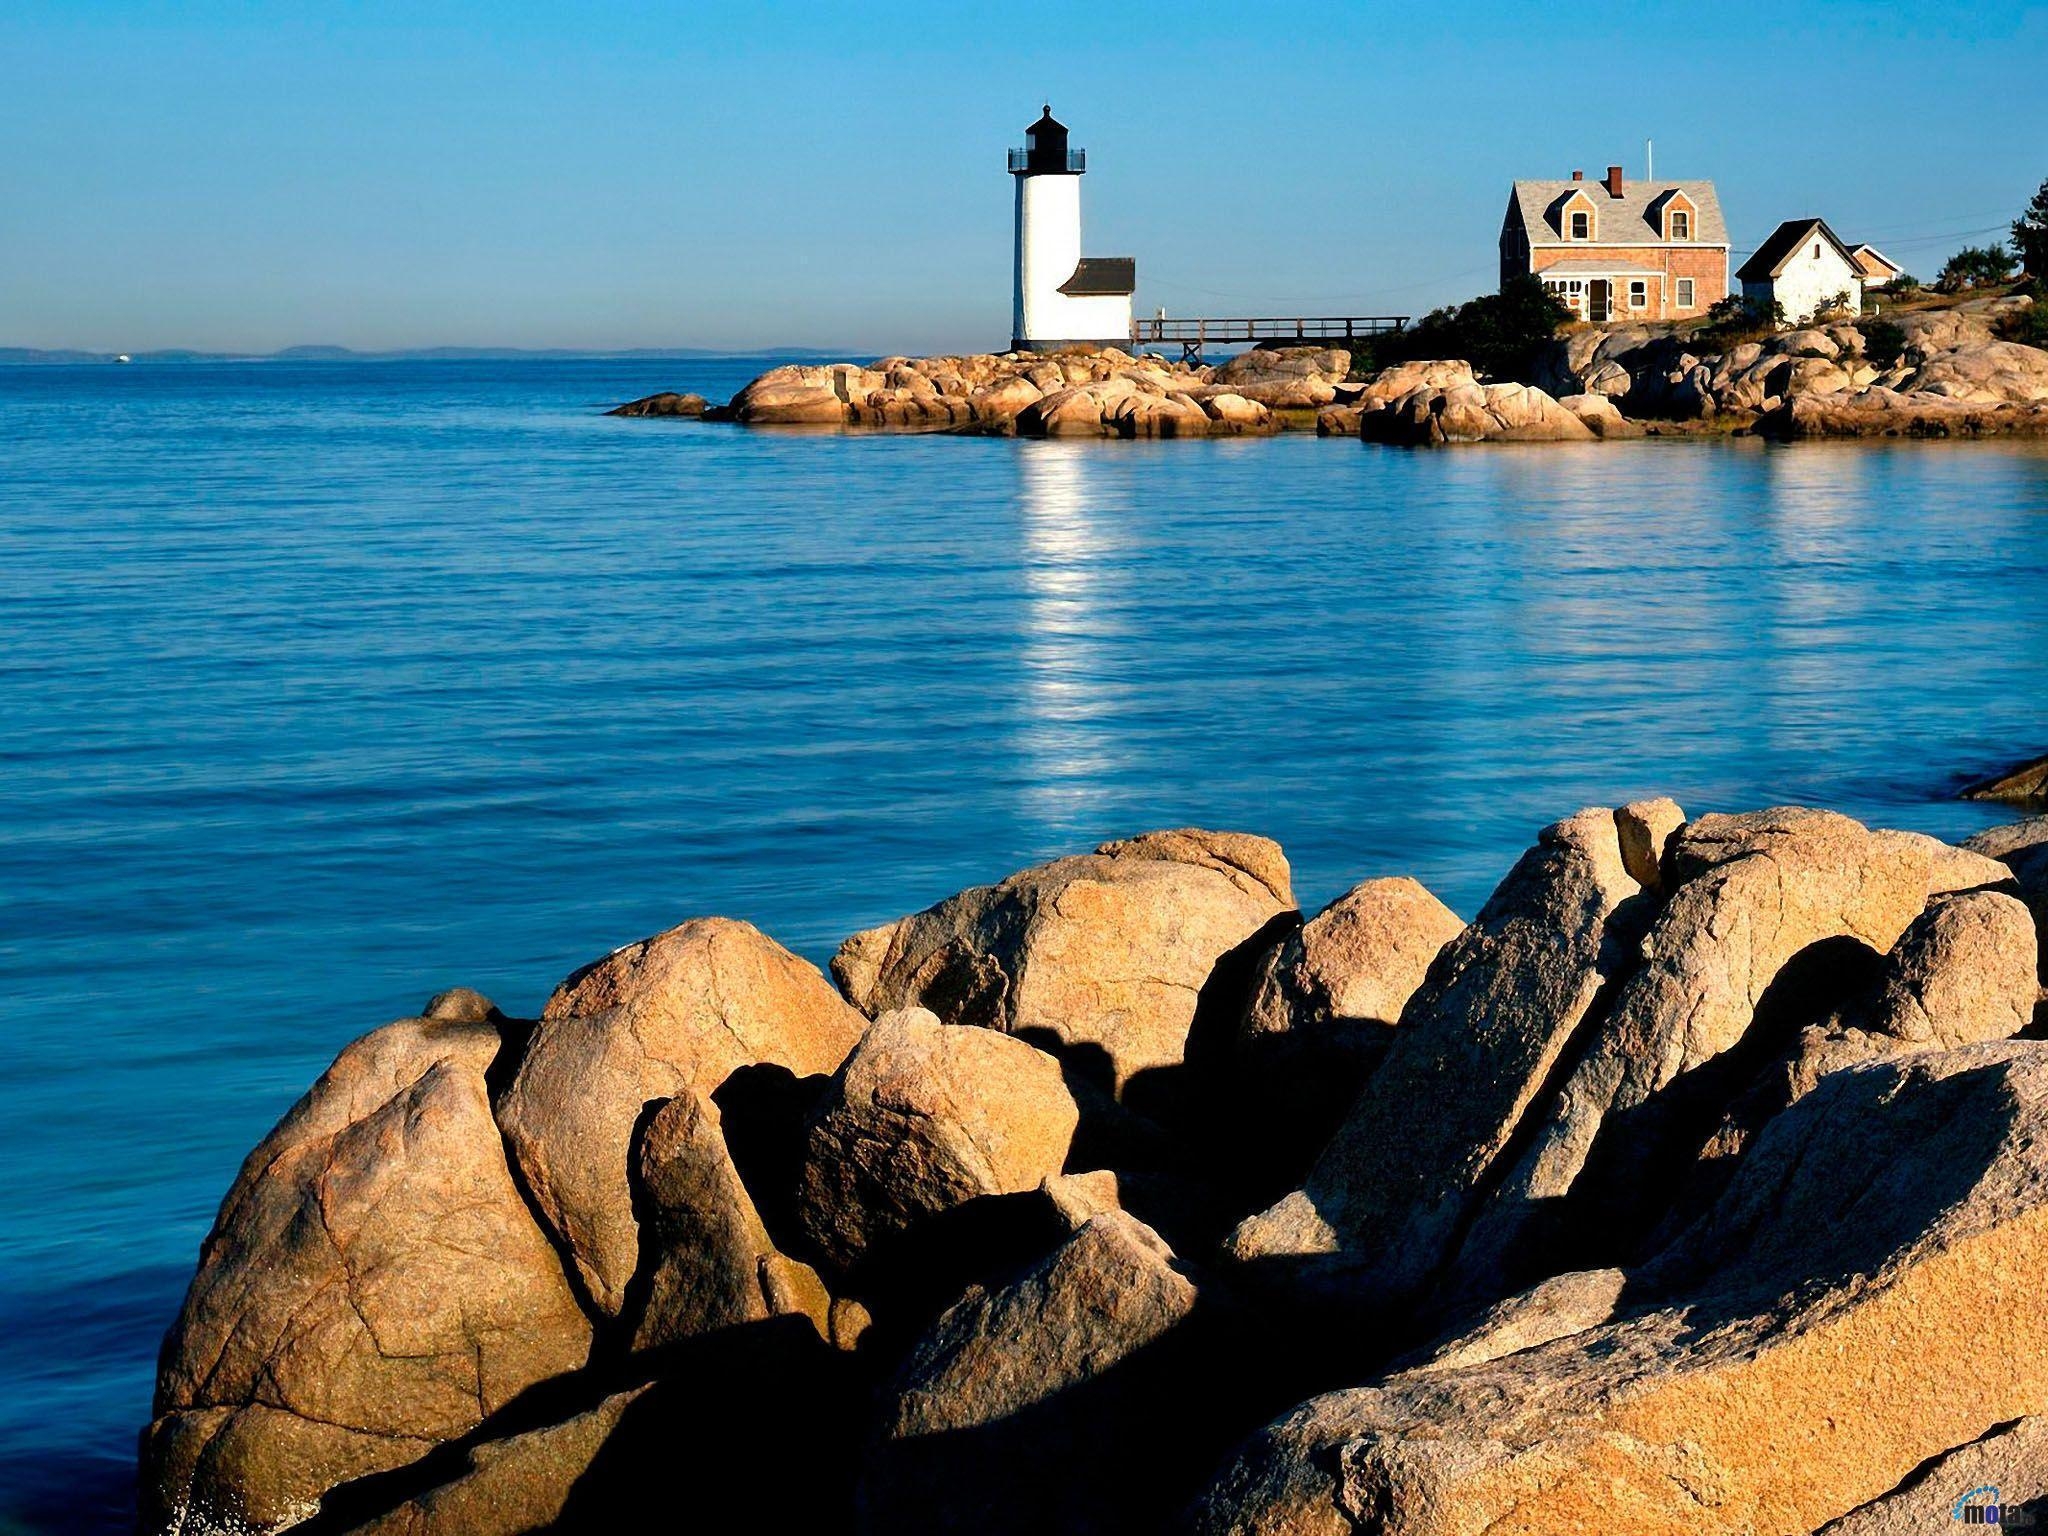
(1614, 181)
(1578, 175)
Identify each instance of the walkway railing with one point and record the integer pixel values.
(1300, 330)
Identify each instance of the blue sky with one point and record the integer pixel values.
(254, 175)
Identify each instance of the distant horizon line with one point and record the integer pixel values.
(322, 352)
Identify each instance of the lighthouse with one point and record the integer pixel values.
(1061, 298)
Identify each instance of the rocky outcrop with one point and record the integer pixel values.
(1946, 375)
(1087, 392)
(1102, 957)
(2026, 784)
(374, 1285)
(678, 1012)
(667, 403)
(921, 1119)
(1881, 412)
(1701, 1185)
(1748, 894)
(1793, 1359)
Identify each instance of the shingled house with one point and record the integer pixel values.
(1616, 250)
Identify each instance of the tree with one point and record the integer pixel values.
(1975, 266)
(2030, 234)
(1499, 334)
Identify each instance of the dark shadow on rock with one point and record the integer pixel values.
(1645, 1178)
(905, 1280)
(1286, 1095)
(1121, 1452)
(763, 1109)
(748, 1429)
(714, 1430)
(1832, 1190)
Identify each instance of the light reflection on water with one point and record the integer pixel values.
(327, 687)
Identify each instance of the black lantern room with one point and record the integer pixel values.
(1045, 151)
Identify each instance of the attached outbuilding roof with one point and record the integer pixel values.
(1776, 253)
(1100, 276)
(1872, 262)
(1634, 218)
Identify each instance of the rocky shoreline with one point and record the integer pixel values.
(1699, 1183)
(1950, 377)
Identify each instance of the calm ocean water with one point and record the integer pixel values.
(324, 687)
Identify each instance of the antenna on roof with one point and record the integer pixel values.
(1649, 159)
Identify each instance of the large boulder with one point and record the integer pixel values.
(1017, 1411)
(922, 1118)
(1600, 415)
(1473, 413)
(1102, 957)
(374, 1285)
(1963, 972)
(1356, 962)
(1818, 1337)
(1476, 1046)
(676, 1013)
(791, 396)
(1267, 365)
(1404, 379)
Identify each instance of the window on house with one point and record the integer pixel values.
(1681, 224)
(1685, 293)
(1582, 226)
(1638, 294)
(1816, 250)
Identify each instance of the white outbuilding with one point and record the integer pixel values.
(1061, 298)
(1804, 268)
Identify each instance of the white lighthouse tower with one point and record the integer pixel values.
(1062, 298)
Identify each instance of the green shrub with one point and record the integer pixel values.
(1884, 342)
(1734, 320)
(1904, 286)
(2027, 326)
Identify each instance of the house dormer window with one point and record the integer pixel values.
(1582, 225)
(1681, 224)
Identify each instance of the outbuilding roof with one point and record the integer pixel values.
(1634, 218)
(1872, 262)
(1096, 276)
(1777, 251)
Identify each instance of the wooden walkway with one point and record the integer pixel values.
(1297, 331)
